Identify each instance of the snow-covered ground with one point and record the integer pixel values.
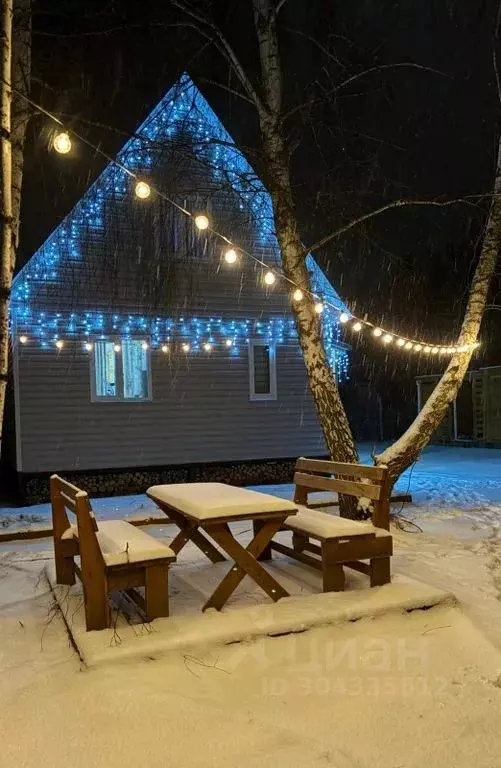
(400, 690)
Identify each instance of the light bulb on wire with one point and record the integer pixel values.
(269, 278)
(59, 343)
(387, 338)
(400, 342)
(23, 339)
(319, 307)
(357, 326)
(298, 294)
(88, 346)
(142, 190)
(117, 348)
(230, 256)
(186, 347)
(377, 332)
(165, 348)
(62, 143)
(343, 317)
(201, 222)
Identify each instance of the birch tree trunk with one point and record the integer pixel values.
(331, 413)
(6, 220)
(407, 448)
(21, 110)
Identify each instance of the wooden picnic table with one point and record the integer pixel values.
(210, 507)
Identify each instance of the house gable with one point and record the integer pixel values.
(84, 280)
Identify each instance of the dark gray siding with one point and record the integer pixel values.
(200, 412)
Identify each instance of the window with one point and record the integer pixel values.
(121, 370)
(262, 370)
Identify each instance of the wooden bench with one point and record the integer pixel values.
(341, 542)
(114, 555)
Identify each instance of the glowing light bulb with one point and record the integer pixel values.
(319, 307)
(357, 326)
(144, 346)
(142, 190)
(88, 346)
(165, 348)
(377, 332)
(62, 143)
(207, 347)
(434, 351)
(443, 351)
(269, 278)
(409, 345)
(230, 256)
(343, 317)
(418, 348)
(117, 348)
(228, 342)
(201, 222)
(427, 350)
(298, 294)
(23, 339)
(400, 342)
(59, 343)
(186, 347)
(453, 350)
(387, 338)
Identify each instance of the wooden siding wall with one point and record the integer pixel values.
(200, 412)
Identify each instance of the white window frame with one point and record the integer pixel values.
(272, 394)
(118, 398)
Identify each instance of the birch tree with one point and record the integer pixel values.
(16, 70)
(7, 228)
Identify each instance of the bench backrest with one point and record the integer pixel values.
(359, 480)
(65, 498)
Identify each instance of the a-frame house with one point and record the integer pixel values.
(138, 351)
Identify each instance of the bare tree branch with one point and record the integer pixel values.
(357, 77)
(382, 209)
(279, 7)
(225, 47)
(228, 89)
(494, 51)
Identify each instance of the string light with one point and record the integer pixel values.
(202, 222)
(228, 343)
(117, 347)
(23, 339)
(230, 256)
(144, 346)
(88, 346)
(185, 347)
(207, 346)
(62, 143)
(59, 343)
(142, 190)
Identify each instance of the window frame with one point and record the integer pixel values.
(119, 398)
(254, 396)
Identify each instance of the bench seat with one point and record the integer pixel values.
(321, 525)
(121, 543)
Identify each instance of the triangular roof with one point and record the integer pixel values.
(182, 106)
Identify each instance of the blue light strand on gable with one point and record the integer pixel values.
(183, 108)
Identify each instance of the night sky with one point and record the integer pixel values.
(398, 132)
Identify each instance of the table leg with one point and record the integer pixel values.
(245, 562)
(189, 532)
